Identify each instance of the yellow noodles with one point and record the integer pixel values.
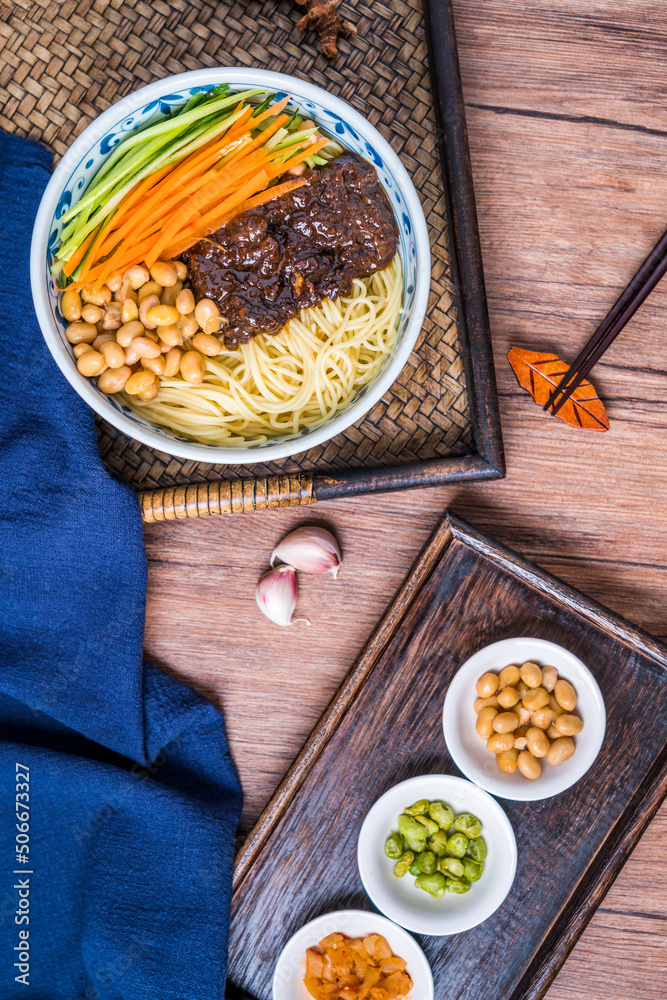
(296, 379)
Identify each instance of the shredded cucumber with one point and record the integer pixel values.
(294, 137)
(71, 238)
(161, 143)
(176, 121)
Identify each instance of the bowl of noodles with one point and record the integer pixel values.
(230, 265)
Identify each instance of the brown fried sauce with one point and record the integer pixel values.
(296, 250)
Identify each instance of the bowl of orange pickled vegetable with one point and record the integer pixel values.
(351, 955)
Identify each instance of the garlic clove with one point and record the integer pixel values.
(276, 595)
(309, 549)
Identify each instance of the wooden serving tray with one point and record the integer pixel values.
(384, 725)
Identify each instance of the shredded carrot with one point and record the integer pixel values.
(181, 185)
(181, 203)
(273, 109)
(197, 201)
(188, 239)
(121, 261)
(240, 124)
(224, 210)
(102, 249)
(280, 168)
(274, 192)
(79, 254)
(263, 137)
(158, 199)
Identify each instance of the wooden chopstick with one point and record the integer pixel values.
(640, 286)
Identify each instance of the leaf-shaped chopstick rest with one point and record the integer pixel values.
(539, 373)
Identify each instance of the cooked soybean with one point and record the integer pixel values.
(535, 699)
(403, 864)
(427, 862)
(472, 869)
(529, 766)
(509, 676)
(442, 813)
(434, 884)
(484, 723)
(451, 866)
(417, 808)
(508, 697)
(498, 742)
(487, 684)
(549, 678)
(477, 849)
(438, 843)
(507, 759)
(531, 674)
(568, 725)
(393, 846)
(565, 695)
(505, 722)
(469, 825)
(457, 885)
(481, 703)
(560, 750)
(526, 714)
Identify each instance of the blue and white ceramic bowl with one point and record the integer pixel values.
(88, 153)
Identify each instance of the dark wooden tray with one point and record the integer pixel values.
(385, 725)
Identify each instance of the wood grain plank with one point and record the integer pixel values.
(567, 210)
(625, 941)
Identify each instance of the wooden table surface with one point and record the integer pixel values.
(567, 116)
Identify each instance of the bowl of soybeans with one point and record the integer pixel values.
(524, 718)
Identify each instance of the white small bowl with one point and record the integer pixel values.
(288, 978)
(469, 752)
(411, 907)
(90, 150)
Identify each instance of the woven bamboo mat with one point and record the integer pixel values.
(62, 62)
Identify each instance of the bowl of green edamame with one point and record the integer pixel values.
(437, 854)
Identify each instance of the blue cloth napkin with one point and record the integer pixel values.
(118, 797)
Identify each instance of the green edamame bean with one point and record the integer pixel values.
(403, 864)
(414, 868)
(442, 814)
(434, 884)
(393, 846)
(417, 846)
(413, 833)
(409, 828)
(468, 824)
(477, 849)
(427, 862)
(451, 866)
(458, 885)
(417, 808)
(457, 845)
(428, 824)
(438, 844)
(472, 869)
